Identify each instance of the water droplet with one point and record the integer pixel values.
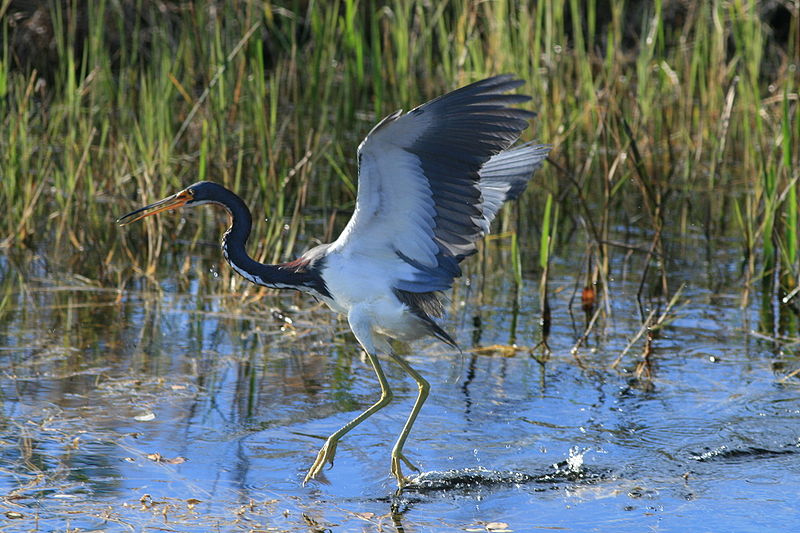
(575, 459)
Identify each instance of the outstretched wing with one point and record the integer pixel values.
(421, 197)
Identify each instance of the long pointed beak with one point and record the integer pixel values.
(173, 202)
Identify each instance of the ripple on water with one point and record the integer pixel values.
(734, 455)
(571, 471)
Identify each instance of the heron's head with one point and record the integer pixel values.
(202, 192)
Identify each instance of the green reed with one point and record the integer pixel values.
(272, 101)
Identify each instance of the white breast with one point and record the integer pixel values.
(367, 283)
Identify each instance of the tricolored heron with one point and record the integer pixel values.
(430, 182)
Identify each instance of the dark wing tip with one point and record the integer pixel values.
(495, 85)
(498, 84)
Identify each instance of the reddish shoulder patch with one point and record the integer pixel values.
(298, 264)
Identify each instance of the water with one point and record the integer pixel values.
(164, 408)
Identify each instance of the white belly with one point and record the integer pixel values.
(368, 286)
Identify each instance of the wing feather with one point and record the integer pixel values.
(431, 180)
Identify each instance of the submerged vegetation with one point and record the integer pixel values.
(667, 119)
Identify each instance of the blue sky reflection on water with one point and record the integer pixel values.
(231, 398)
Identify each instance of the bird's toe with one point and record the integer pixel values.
(326, 454)
(397, 471)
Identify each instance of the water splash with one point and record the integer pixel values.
(575, 459)
(570, 470)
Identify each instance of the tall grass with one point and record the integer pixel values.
(681, 123)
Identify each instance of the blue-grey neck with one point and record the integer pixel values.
(299, 275)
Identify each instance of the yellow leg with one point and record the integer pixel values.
(328, 450)
(397, 451)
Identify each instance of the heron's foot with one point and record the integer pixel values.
(397, 471)
(325, 455)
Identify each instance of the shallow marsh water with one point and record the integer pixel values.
(162, 408)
